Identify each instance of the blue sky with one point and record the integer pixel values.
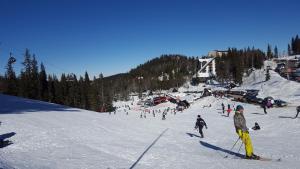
(114, 36)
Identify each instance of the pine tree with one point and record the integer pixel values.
(289, 50)
(34, 78)
(25, 80)
(43, 84)
(51, 87)
(269, 52)
(86, 94)
(275, 52)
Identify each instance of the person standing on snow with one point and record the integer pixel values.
(223, 108)
(243, 133)
(200, 123)
(264, 106)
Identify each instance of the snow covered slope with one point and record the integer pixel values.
(57, 137)
(277, 87)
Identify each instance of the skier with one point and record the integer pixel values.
(223, 108)
(256, 126)
(264, 105)
(163, 116)
(228, 111)
(200, 123)
(298, 110)
(243, 133)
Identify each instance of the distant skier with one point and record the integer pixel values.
(228, 112)
(298, 110)
(223, 108)
(243, 133)
(256, 126)
(163, 116)
(264, 106)
(200, 123)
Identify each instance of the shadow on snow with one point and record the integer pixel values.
(205, 144)
(17, 105)
(286, 117)
(192, 135)
(3, 142)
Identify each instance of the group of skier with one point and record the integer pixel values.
(240, 127)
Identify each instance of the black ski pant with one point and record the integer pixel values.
(265, 111)
(297, 114)
(200, 131)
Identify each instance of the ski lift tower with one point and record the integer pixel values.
(208, 65)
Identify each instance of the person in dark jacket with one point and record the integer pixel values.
(264, 106)
(223, 108)
(200, 123)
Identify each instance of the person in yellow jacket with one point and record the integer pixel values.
(242, 131)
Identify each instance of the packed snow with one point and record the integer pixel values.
(57, 137)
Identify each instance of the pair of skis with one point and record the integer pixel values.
(244, 157)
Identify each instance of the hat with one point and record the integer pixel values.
(198, 115)
(239, 107)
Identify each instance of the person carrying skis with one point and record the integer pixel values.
(200, 123)
(243, 133)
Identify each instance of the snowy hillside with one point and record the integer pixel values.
(57, 137)
(277, 87)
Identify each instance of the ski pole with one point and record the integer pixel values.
(233, 146)
(235, 143)
(240, 147)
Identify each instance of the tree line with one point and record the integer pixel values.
(95, 94)
(294, 46)
(34, 83)
(232, 66)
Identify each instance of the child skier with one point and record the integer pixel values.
(200, 123)
(243, 133)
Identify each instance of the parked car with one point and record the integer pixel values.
(252, 92)
(280, 103)
(279, 67)
(172, 100)
(148, 103)
(158, 100)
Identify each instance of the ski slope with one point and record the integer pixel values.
(57, 137)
